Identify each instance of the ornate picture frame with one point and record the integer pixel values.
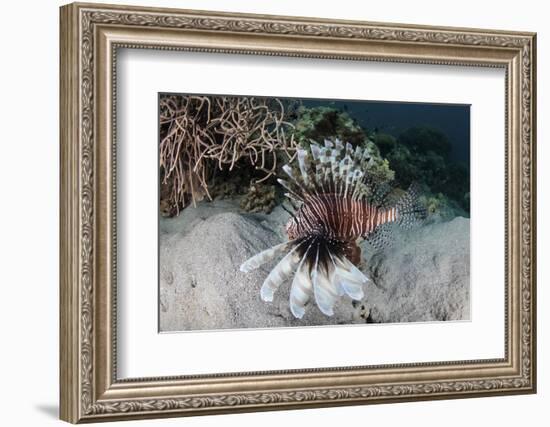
(90, 37)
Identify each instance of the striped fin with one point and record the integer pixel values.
(294, 192)
(288, 170)
(328, 143)
(357, 175)
(324, 292)
(345, 165)
(348, 172)
(319, 175)
(281, 272)
(301, 289)
(285, 184)
(349, 149)
(293, 198)
(302, 155)
(298, 185)
(315, 151)
(355, 273)
(382, 237)
(410, 211)
(334, 165)
(325, 160)
(323, 288)
(265, 256)
(356, 181)
(352, 289)
(349, 277)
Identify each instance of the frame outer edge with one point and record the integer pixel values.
(533, 207)
(69, 223)
(77, 339)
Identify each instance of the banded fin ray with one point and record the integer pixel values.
(281, 272)
(350, 278)
(300, 292)
(323, 288)
(302, 156)
(301, 288)
(265, 256)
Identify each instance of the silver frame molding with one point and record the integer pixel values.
(90, 37)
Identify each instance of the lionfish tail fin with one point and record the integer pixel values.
(410, 212)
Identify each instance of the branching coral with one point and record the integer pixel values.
(199, 134)
(318, 123)
(259, 198)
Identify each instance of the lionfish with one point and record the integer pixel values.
(338, 202)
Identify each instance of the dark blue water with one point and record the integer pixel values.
(394, 117)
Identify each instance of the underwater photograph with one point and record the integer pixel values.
(288, 212)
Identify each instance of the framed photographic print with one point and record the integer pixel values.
(267, 212)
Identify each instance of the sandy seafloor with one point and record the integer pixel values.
(423, 276)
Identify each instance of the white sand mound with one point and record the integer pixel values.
(201, 287)
(424, 277)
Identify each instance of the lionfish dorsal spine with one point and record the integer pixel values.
(302, 156)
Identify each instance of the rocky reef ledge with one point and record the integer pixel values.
(424, 276)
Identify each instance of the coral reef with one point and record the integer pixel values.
(319, 123)
(199, 134)
(260, 198)
(423, 139)
(226, 184)
(378, 167)
(205, 139)
(422, 154)
(440, 207)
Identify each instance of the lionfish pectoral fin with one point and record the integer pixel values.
(300, 291)
(263, 257)
(324, 287)
(353, 290)
(323, 290)
(350, 278)
(281, 272)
